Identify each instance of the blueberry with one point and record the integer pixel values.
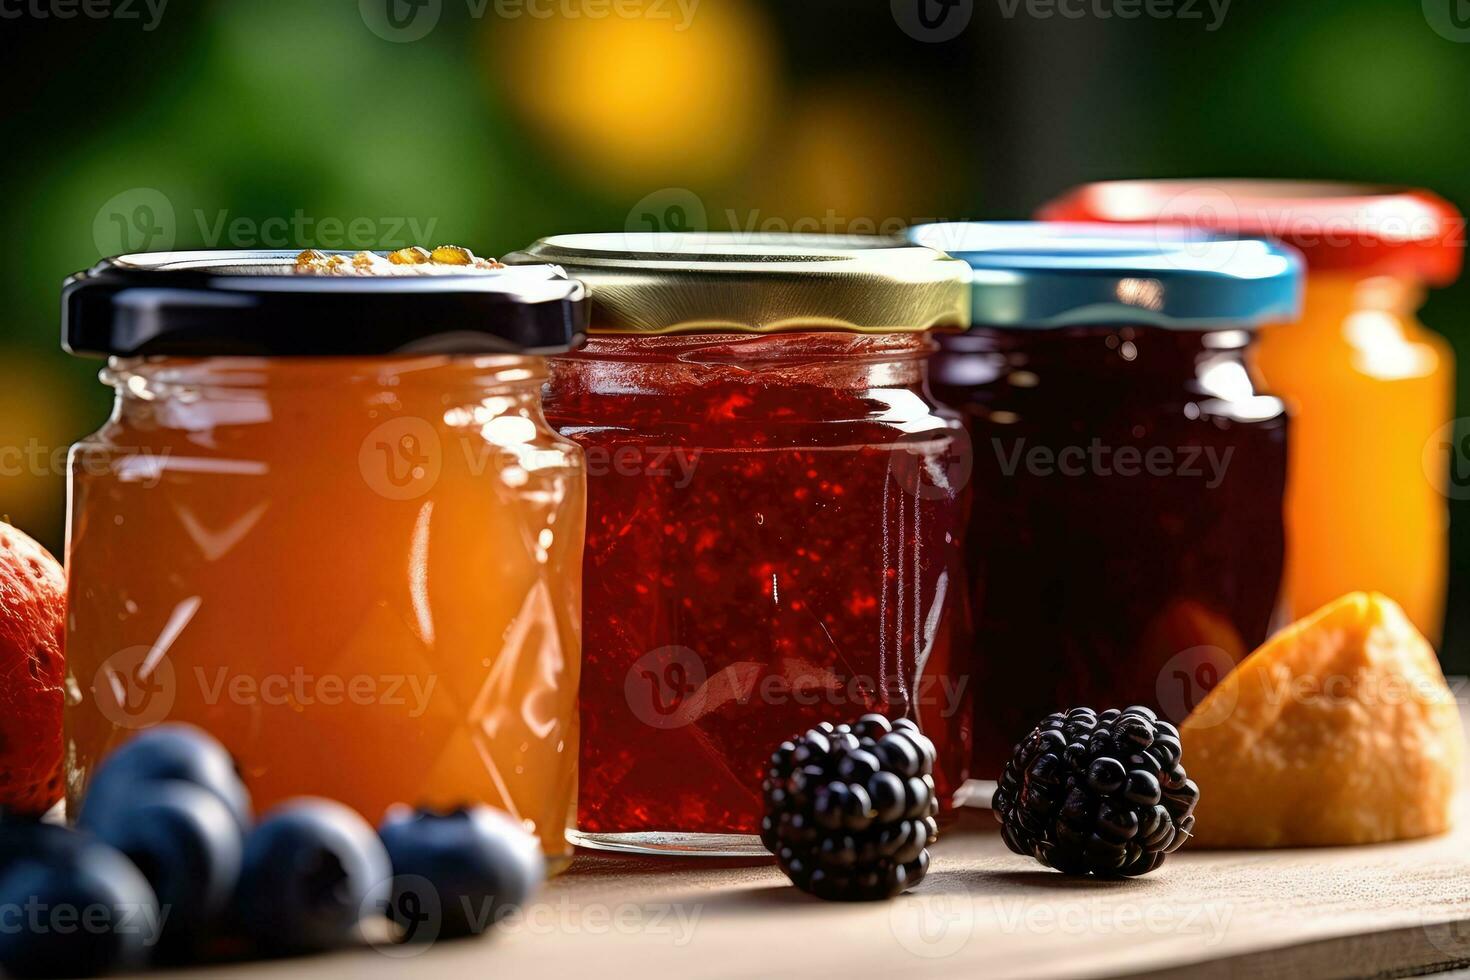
(34, 839)
(173, 751)
(311, 870)
(473, 864)
(186, 842)
(73, 907)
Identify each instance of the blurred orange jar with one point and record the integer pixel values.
(328, 523)
(1373, 388)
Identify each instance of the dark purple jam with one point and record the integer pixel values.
(1125, 541)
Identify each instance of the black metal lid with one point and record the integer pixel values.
(254, 303)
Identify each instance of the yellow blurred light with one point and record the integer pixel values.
(40, 415)
(634, 101)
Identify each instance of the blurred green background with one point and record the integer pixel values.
(340, 123)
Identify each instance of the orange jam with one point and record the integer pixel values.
(361, 573)
(1382, 384)
(1371, 388)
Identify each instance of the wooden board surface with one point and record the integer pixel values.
(1390, 910)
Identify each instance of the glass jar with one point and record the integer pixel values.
(351, 550)
(1372, 389)
(1124, 538)
(772, 523)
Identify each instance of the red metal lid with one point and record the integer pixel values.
(1375, 230)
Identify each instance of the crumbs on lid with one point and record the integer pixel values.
(412, 261)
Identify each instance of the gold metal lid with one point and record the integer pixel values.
(661, 283)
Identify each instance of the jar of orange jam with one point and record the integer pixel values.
(327, 523)
(1372, 388)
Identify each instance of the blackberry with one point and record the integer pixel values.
(850, 809)
(1102, 794)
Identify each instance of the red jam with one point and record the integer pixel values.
(1125, 541)
(770, 544)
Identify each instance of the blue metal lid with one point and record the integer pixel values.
(1042, 275)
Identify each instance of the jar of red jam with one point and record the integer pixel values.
(773, 524)
(1125, 539)
(328, 523)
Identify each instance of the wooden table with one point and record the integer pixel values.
(1390, 910)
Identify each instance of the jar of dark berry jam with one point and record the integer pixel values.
(773, 524)
(1125, 541)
